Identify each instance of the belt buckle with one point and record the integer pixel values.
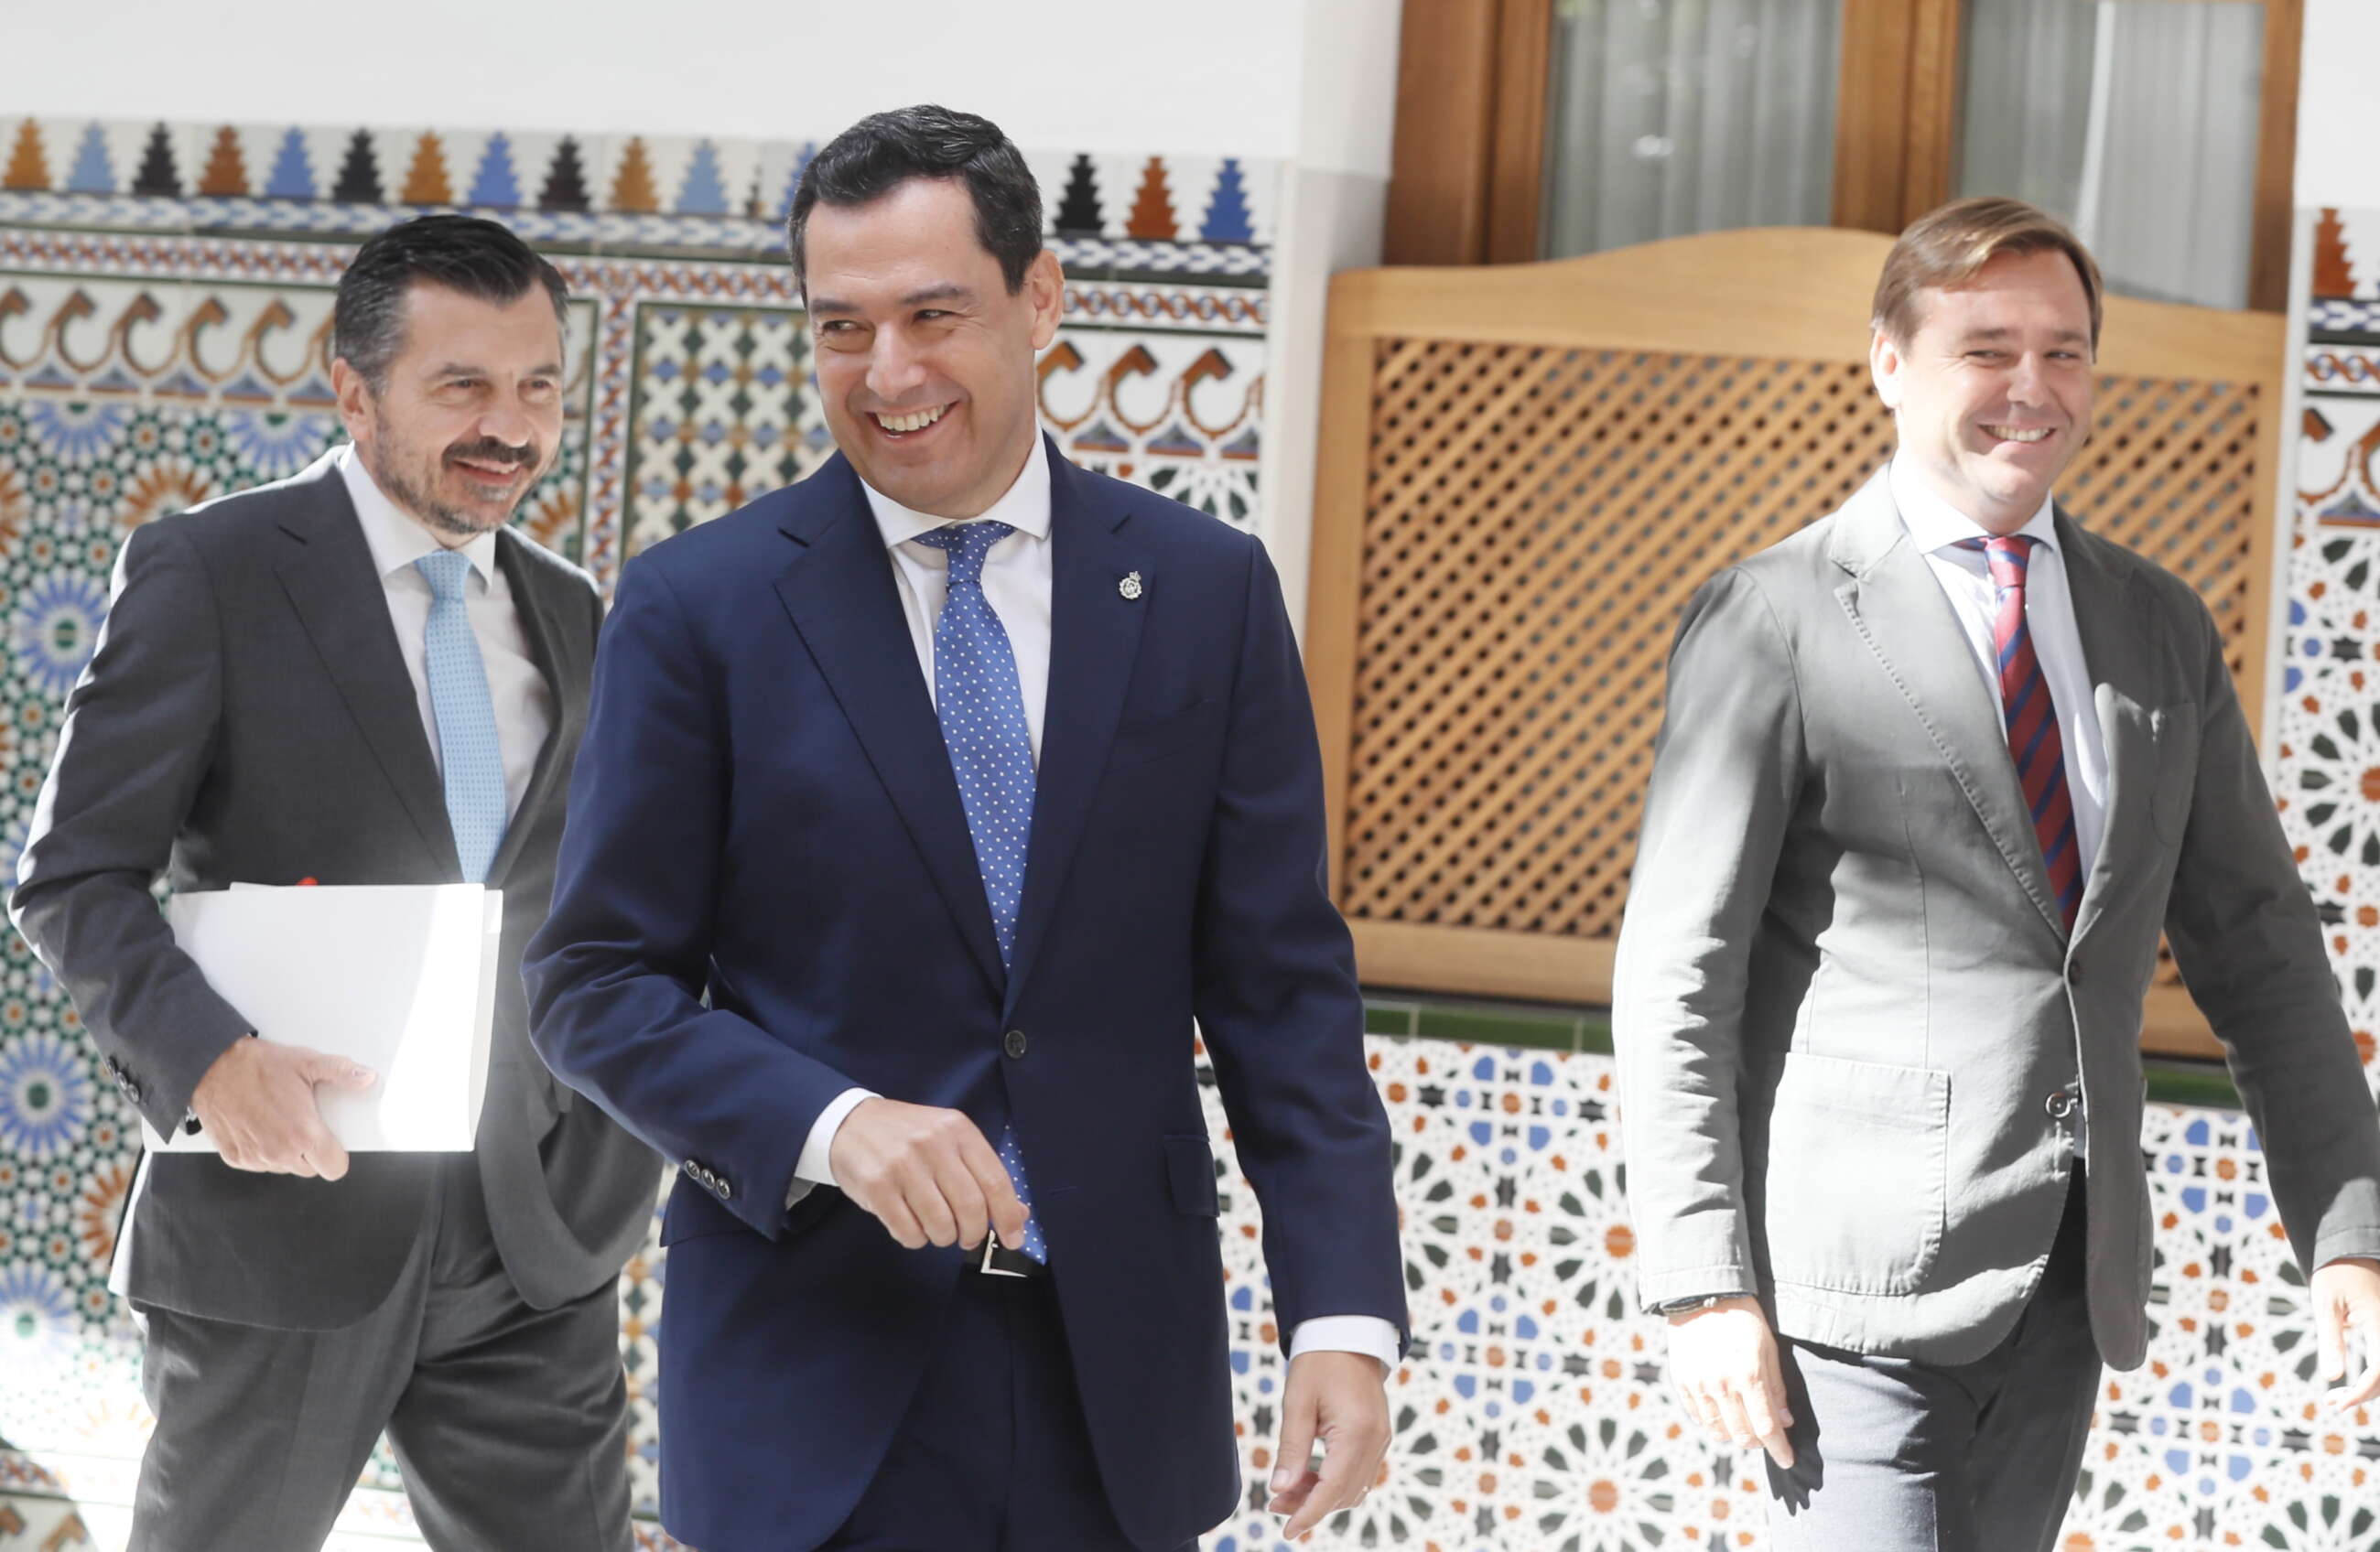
(991, 1244)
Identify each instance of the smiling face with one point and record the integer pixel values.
(925, 356)
(468, 415)
(1993, 389)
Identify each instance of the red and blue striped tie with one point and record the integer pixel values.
(2033, 737)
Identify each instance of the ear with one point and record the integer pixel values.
(1045, 288)
(1884, 363)
(355, 396)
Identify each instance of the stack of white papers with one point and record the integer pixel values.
(401, 978)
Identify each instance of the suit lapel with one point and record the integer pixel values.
(2109, 615)
(1094, 636)
(566, 670)
(1896, 604)
(339, 600)
(839, 593)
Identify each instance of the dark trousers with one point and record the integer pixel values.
(993, 1454)
(1894, 1455)
(510, 1424)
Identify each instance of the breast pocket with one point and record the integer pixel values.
(1857, 1170)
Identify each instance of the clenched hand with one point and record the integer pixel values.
(927, 1174)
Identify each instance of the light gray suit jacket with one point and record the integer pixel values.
(1845, 993)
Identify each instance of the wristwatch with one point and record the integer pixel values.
(1699, 1301)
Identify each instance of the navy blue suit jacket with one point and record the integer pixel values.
(768, 894)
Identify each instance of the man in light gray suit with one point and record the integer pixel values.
(359, 675)
(1933, 775)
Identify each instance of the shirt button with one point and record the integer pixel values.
(1014, 1043)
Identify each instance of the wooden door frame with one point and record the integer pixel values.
(1467, 171)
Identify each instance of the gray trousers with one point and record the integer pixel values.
(509, 1423)
(1894, 1455)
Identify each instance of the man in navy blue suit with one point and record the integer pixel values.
(922, 807)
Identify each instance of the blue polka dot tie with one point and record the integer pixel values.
(472, 759)
(982, 708)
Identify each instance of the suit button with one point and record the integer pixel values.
(132, 1091)
(2059, 1105)
(720, 1183)
(1014, 1043)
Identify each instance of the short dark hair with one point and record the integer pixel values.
(884, 151)
(478, 258)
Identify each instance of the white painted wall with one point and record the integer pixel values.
(2335, 129)
(1333, 198)
(1215, 78)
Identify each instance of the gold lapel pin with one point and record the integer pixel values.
(1129, 586)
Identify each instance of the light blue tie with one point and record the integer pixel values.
(982, 712)
(472, 759)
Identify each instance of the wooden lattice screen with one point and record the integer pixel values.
(1526, 470)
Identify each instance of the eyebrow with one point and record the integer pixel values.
(948, 291)
(1978, 337)
(461, 369)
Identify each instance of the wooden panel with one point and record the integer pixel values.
(2277, 156)
(1439, 172)
(1526, 471)
(1524, 35)
(1931, 132)
(1872, 96)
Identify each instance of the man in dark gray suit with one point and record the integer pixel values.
(1933, 775)
(359, 675)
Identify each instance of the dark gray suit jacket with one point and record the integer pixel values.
(247, 717)
(1845, 993)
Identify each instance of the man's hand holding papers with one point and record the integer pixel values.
(257, 1103)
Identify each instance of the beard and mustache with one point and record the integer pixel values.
(416, 493)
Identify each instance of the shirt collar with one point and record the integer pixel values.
(1934, 524)
(1025, 506)
(397, 539)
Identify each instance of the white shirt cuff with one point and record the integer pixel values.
(1367, 1334)
(813, 1167)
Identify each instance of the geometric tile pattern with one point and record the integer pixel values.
(726, 407)
(155, 349)
(1532, 1412)
(722, 414)
(300, 177)
(1180, 215)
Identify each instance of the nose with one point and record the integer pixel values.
(894, 366)
(2027, 383)
(507, 420)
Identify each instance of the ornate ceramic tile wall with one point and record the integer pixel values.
(161, 294)
(165, 304)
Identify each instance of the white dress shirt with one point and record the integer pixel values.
(1017, 583)
(524, 702)
(1937, 527)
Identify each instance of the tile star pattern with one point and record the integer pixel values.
(161, 343)
(155, 349)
